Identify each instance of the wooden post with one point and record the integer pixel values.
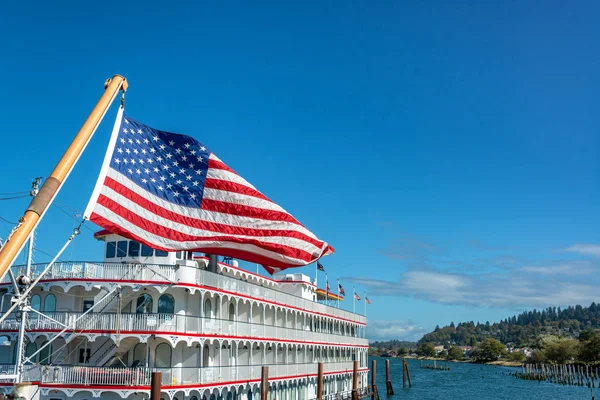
(403, 373)
(320, 382)
(155, 385)
(264, 383)
(355, 381)
(373, 378)
(407, 375)
(52, 184)
(388, 382)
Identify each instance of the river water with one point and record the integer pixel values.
(471, 382)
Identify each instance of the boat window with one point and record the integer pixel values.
(36, 302)
(166, 304)
(231, 312)
(45, 354)
(122, 248)
(134, 249)
(178, 255)
(160, 253)
(84, 355)
(144, 304)
(207, 309)
(205, 356)
(111, 249)
(30, 349)
(162, 357)
(6, 351)
(147, 251)
(50, 303)
(139, 353)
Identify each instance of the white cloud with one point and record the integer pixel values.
(566, 268)
(512, 290)
(585, 249)
(395, 329)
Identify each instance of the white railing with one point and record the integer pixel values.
(7, 369)
(90, 376)
(173, 323)
(98, 270)
(183, 274)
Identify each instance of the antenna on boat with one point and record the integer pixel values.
(40, 203)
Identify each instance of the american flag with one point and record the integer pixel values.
(172, 193)
(367, 300)
(341, 290)
(356, 296)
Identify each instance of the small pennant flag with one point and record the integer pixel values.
(341, 290)
(327, 286)
(320, 266)
(367, 300)
(356, 296)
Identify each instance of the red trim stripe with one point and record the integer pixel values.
(191, 386)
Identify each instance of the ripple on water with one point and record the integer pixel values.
(470, 381)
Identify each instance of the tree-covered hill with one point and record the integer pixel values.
(522, 329)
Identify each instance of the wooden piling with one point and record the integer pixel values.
(388, 381)
(373, 380)
(155, 386)
(264, 382)
(407, 374)
(320, 382)
(355, 381)
(403, 374)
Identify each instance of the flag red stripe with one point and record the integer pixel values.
(216, 164)
(235, 253)
(229, 186)
(174, 235)
(202, 224)
(246, 211)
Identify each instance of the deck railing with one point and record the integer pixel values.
(182, 274)
(171, 323)
(101, 270)
(90, 376)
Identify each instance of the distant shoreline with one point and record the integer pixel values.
(502, 363)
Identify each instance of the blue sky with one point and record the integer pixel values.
(447, 150)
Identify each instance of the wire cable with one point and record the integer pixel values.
(15, 197)
(12, 193)
(7, 221)
(73, 215)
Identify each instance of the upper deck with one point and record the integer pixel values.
(129, 263)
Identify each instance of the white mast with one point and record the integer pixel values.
(25, 303)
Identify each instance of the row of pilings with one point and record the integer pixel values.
(434, 365)
(565, 374)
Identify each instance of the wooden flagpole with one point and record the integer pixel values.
(52, 185)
